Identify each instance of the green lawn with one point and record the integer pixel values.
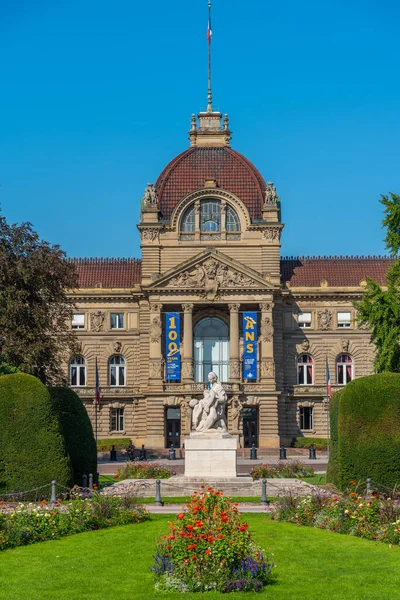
(113, 564)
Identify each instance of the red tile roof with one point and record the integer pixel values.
(346, 271)
(231, 170)
(108, 272)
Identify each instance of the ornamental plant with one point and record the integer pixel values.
(209, 547)
(370, 516)
(294, 468)
(132, 470)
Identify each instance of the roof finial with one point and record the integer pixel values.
(209, 34)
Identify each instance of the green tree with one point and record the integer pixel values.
(379, 309)
(35, 310)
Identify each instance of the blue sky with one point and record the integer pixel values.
(96, 98)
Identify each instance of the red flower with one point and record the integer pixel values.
(208, 551)
(189, 527)
(181, 516)
(199, 524)
(224, 519)
(191, 547)
(353, 483)
(182, 534)
(194, 557)
(189, 535)
(211, 538)
(220, 536)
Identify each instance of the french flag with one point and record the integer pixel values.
(97, 385)
(328, 380)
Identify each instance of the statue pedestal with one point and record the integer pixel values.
(210, 455)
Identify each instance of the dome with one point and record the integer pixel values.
(230, 169)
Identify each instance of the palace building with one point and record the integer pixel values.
(212, 293)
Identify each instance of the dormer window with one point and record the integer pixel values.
(212, 217)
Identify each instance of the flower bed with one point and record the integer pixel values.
(23, 524)
(294, 468)
(373, 517)
(133, 470)
(208, 547)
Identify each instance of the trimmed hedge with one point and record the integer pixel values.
(105, 445)
(305, 442)
(332, 473)
(77, 430)
(368, 428)
(32, 448)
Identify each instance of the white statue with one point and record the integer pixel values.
(209, 412)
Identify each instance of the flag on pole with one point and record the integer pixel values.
(209, 32)
(328, 380)
(97, 385)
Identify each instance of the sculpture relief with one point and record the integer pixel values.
(211, 276)
(97, 321)
(271, 196)
(156, 368)
(187, 369)
(265, 306)
(117, 347)
(236, 409)
(345, 345)
(155, 307)
(272, 234)
(149, 197)
(324, 319)
(234, 369)
(267, 368)
(305, 345)
(155, 330)
(150, 234)
(209, 412)
(267, 331)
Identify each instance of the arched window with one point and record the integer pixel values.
(210, 215)
(211, 349)
(188, 220)
(232, 219)
(344, 369)
(305, 366)
(77, 371)
(117, 370)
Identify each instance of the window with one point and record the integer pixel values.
(117, 370)
(77, 371)
(211, 349)
(210, 216)
(304, 369)
(232, 220)
(343, 319)
(117, 419)
(306, 417)
(78, 321)
(188, 220)
(117, 320)
(304, 320)
(344, 369)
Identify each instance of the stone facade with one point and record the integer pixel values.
(217, 269)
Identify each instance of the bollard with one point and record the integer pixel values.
(368, 485)
(53, 498)
(113, 454)
(142, 453)
(312, 453)
(159, 502)
(90, 481)
(263, 499)
(84, 480)
(172, 455)
(282, 452)
(253, 452)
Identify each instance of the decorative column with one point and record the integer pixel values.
(234, 372)
(155, 334)
(197, 220)
(267, 366)
(187, 355)
(223, 219)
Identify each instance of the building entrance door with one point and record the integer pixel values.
(250, 426)
(173, 428)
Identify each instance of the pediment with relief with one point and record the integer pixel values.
(212, 274)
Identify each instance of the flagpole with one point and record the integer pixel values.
(327, 407)
(209, 33)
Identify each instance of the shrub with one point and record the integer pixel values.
(77, 430)
(134, 470)
(369, 431)
(306, 442)
(32, 448)
(294, 468)
(105, 445)
(208, 547)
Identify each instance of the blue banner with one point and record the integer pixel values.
(250, 337)
(173, 346)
